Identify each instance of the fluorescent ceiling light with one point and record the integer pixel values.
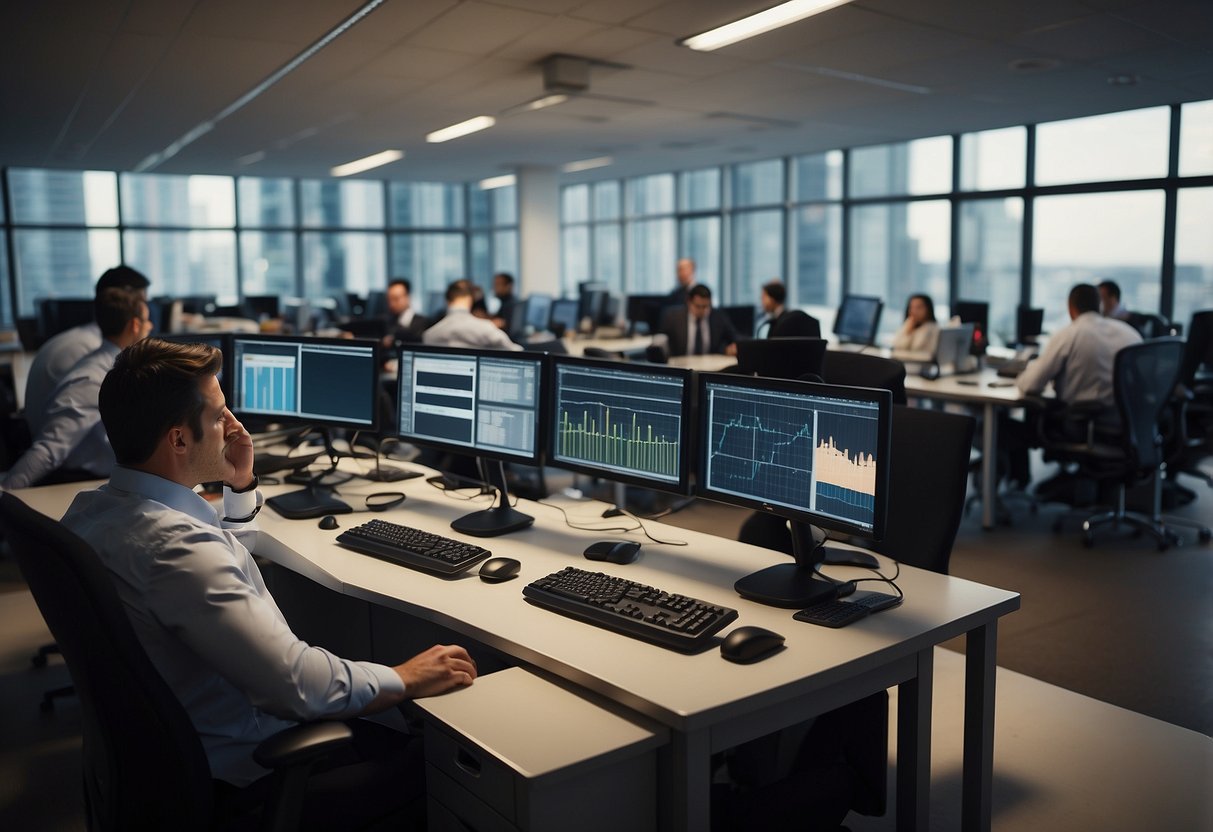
(587, 164)
(546, 101)
(463, 128)
(492, 182)
(373, 161)
(756, 24)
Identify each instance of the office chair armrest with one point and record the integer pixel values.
(302, 744)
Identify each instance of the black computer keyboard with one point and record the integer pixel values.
(838, 613)
(633, 609)
(412, 547)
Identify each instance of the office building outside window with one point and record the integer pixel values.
(1196, 139)
(993, 159)
(1129, 145)
(1193, 253)
(991, 250)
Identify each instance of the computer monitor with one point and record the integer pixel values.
(742, 318)
(625, 422)
(516, 324)
(814, 454)
(198, 304)
(953, 351)
(565, 316)
(645, 309)
(58, 314)
(483, 402)
(538, 312)
(221, 341)
(592, 301)
(261, 306)
(1029, 324)
(976, 312)
(857, 320)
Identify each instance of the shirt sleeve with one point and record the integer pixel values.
(206, 590)
(1046, 367)
(70, 417)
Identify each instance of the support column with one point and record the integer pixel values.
(538, 230)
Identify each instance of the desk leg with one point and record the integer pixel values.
(978, 778)
(914, 746)
(685, 779)
(989, 466)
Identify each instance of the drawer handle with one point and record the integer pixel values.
(467, 763)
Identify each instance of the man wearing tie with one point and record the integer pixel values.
(697, 328)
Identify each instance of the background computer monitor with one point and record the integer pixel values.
(261, 306)
(645, 309)
(58, 314)
(538, 312)
(593, 301)
(976, 312)
(1029, 324)
(815, 454)
(858, 318)
(221, 341)
(198, 304)
(625, 422)
(953, 351)
(742, 319)
(565, 316)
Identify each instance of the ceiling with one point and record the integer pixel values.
(104, 84)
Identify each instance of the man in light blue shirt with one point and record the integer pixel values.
(61, 352)
(194, 593)
(460, 328)
(71, 443)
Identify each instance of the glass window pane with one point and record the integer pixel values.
(1129, 145)
(991, 250)
(266, 203)
(1193, 253)
(757, 254)
(505, 205)
(1086, 238)
(816, 243)
(267, 262)
(344, 262)
(649, 195)
(574, 257)
(700, 240)
(608, 200)
(818, 176)
(6, 310)
(758, 183)
(480, 246)
(993, 159)
(63, 264)
(699, 190)
(184, 262)
(328, 204)
(608, 254)
(425, 205)
(62, 197)
(651, 257)
(430, 261)
(575, 203)
(478, 207)
(183, 201)
(923, 166)
(505, 255)
(1196, 139)
(898, 250)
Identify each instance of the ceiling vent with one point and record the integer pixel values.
(565, 74)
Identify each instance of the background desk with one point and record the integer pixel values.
(708, 704)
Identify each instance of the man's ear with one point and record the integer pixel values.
(176, 439)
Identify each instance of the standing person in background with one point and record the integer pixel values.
(686, 279)
(919, 333)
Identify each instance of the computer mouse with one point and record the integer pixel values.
(328, 521)
(750, 644)
(613, 551)
(929, 371)
(496, 570)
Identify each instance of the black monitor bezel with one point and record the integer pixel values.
(870, 338)
(981, 319)
(882, 398)
(227, 375)
(471, 450)
(683, 486)
(309, 340)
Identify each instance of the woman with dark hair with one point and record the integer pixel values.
(920, 332)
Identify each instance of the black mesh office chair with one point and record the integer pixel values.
(1149, 325)
(1195, 423)
(859, 370)
(144, 766)
(780, 357)
(796, 324)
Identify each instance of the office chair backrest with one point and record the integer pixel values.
(780, 357)
(796, 324)
(1149, 325)
(1198, 350)
(144, 767)
(1144, 376)
(859, 370)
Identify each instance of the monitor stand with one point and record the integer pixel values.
(792, 585)
(314, 500)
(500, 519)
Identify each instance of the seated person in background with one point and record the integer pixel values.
(459, 327)
(1109, 301)
(404, 325)
(503, 290)
(72, 444)
(200, 605)
(60, 353)
(772, 296)
(697, 328)
(920, 333)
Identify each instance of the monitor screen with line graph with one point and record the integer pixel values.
(815, 454)
(625, 422)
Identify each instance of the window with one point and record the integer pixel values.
(700, 240)
(154, 199)
(699, 190)
(758, 183)
(575, 257)
(1196, 139)
(608, 201)
(648, 195)
(1130, 145)
(1086, 238)
(63, 263)
(185, 262)
(330, 204)
(430, 261)
(608, 254)
(267, 262)
(817, 177)
(575, 203)
(757, 254)
(991, 246)
(651, 260)
(425, 205)
(1193, 253)
(923, 166)
(61, 197)
(334, 263)
(816, 252)
(266, 203)
(6, 311)
(993, 159)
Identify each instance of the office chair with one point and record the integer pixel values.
(144, 766)
(1149, 325)
(1195, 423)
(859, 370)
(780, 357)
(795, 324)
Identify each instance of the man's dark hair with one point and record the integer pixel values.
(121, 277)
(460, 288)
(699, 291)
(506, 276)
(400, 281)
(154, 385)
(1111, 287)
(114, 309)
(776, 291)
(1085, 298)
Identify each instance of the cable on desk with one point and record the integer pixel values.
(639, 525)
(879, 578)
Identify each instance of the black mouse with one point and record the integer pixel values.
(496, 570)
(750, 644)
(328, 521)
(614, 551)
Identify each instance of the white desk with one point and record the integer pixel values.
(712, 363)
(709, 704)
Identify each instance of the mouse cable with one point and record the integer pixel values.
(891, 580)
(638, 527)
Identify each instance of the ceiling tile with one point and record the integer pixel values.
(477, 28)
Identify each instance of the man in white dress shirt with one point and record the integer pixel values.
(460, 328)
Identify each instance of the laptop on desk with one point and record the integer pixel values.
(952, 354)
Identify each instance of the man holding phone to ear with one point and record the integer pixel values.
(201, 607)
